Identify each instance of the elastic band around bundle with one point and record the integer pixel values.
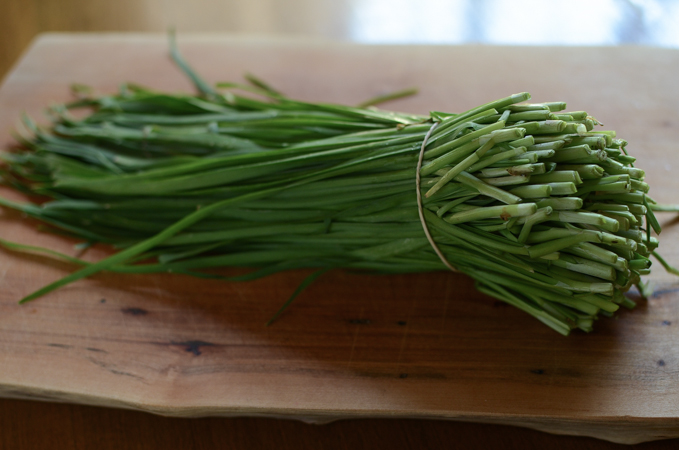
(420, 207)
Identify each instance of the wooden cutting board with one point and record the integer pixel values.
(352, 346)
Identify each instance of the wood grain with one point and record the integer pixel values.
(33, 425)
(353, 346)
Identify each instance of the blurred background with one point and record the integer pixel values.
(497, 22)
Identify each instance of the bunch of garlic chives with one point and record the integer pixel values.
(544, 212)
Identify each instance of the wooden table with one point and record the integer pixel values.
(424, 346)
(36, 425)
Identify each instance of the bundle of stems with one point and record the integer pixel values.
(541, 210)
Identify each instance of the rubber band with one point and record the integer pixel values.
(420, 207)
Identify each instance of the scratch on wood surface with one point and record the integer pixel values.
(134, 311)
(94, 349)
(113, 368)
(59, 345)
(406, 328)
(124, 323)
(353, 343)
(193, 346)
(3, 274)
